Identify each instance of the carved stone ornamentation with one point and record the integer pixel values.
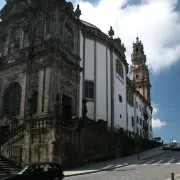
(14, 44)
(67, 87)
(3, 37)
(78, 12)
(38, 31)
(12, 78)
(35, 80)
(57, 107)
(29, 108)
(111, 32)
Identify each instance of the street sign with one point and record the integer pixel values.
(157, 139)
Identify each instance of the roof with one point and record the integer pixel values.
(89, 24)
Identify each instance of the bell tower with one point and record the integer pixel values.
(139, 72)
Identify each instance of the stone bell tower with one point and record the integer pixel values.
(139, 72)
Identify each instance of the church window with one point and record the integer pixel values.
(34, 101)
(120, 98)
(68, 36)
(137, 76)
(136, 49)
(12, 100)
(137, 119)
(139, 86)
(89, 89)
(119, 70)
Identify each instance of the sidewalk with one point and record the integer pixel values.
(176, 177)
(112, 164)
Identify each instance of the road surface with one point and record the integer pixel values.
(157, 168)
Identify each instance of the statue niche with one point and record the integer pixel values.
(14, 44)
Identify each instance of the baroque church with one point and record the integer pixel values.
(52, 62)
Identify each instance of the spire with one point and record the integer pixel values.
(137, 39)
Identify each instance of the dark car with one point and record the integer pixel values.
(166, 147)
(176, 147)
(51, 171)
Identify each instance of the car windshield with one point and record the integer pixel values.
(21, 171)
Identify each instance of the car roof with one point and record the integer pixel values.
(43, 163)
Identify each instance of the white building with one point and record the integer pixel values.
(104, 82)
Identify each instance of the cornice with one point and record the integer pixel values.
(98, 35)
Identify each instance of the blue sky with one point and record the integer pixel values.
(160, 33)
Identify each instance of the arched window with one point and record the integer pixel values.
(119, 70)
(68, 36)
(34, 101)
(12, 100)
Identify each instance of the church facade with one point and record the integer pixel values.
(50, 60)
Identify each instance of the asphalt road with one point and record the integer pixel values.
(157, 168)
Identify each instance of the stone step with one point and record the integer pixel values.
(7, 166)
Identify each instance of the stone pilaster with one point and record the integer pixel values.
(28, 141)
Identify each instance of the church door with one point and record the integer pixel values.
(66, 107)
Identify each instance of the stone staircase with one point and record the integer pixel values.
(7, 167)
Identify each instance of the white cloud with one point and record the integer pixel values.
(156, 122)
(156, 22)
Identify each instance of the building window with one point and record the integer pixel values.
(137, 131)
(140, 121)
(150, 128)
(132, 121)
(89, 89)
(68, 36)
(12, 100)
(130, 98)
(120, 98)
(34, 102)
(137, 119)
(140, 107)
(119, 70)
(137, 76)
(136, 104)
(127, 118)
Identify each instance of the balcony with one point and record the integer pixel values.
(145, 114)
(145, 126)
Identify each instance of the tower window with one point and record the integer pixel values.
(137, 76)
(139, 86)
(136, 49)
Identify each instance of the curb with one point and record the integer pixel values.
(110, 168)
(153, 156)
